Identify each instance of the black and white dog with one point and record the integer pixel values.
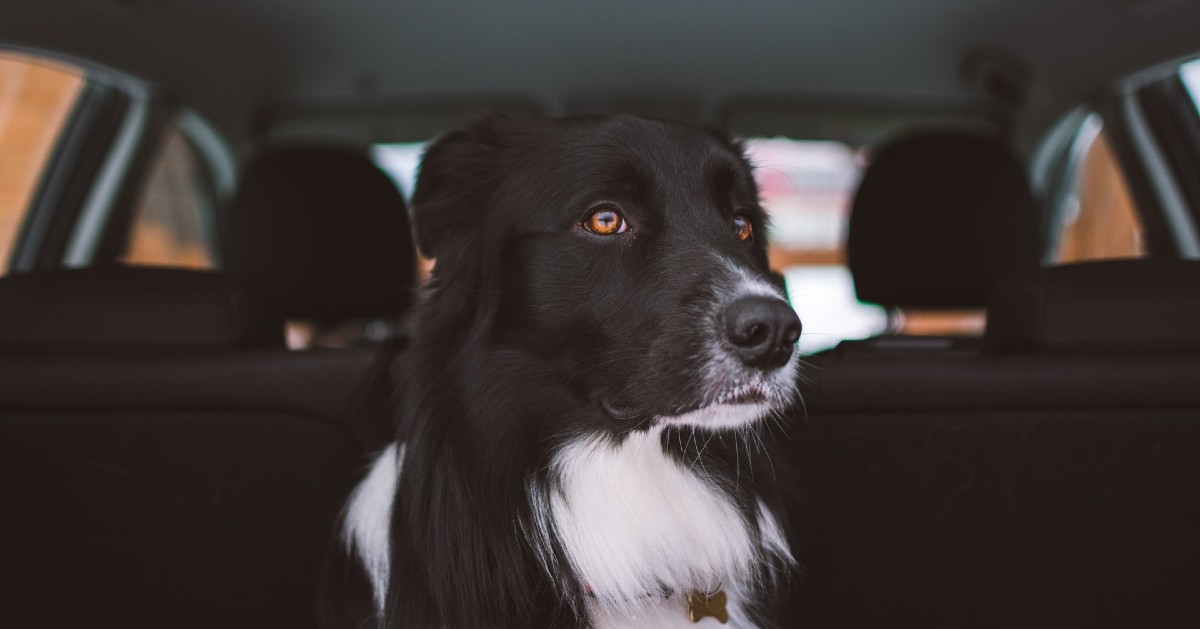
(590, 369)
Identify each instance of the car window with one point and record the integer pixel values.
(172, 221)
(36, 96)
(400, 161)
(1100, 220)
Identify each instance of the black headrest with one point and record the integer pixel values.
(133, 309)
(938, 219)
(326, 230)
(1112, 305)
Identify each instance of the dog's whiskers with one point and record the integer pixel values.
(764, 450)
(737, 461)
(700, 453)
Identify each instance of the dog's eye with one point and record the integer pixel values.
(743, 227)
(605, 221)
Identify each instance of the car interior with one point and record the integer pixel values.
(987, 215)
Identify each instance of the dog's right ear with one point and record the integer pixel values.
(451, 210)
(448, 201)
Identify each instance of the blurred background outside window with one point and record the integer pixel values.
(1190, 73)
(172, 220)
(36, 96)
(1099, 220)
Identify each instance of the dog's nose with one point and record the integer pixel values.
(762, 330)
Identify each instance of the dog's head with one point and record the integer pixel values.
(626, 256)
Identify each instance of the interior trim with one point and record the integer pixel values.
(85, 238)
(1158, 173)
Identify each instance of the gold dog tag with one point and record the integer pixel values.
(701, 605)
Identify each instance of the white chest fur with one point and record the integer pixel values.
(635, 523)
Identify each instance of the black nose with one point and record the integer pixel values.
(763, 331)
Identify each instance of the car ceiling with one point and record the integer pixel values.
(234, 59)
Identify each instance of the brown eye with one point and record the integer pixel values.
(605, 221)
(744, 229)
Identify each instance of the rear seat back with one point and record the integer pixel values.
(166, 461)
(1097, 307)
(1045, 478)
(1120, 333)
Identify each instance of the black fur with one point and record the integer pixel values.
(531, 328)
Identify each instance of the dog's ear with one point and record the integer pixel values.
(452, 213)
(454, 174)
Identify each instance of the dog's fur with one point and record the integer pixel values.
(576, 444)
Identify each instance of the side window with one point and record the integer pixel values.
(36, 96)
(1099, 220)
(172, 220)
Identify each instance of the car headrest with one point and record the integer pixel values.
(937, 219)
(1147, 304)
(325, 230)
(133, 309)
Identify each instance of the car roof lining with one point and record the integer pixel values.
(233, 61)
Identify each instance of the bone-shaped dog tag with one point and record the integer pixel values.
(701, 605)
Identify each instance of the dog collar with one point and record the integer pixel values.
(700, 605)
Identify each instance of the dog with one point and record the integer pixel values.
(591, 369)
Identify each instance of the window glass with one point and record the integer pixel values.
(1099, 220)
(36, 96)
(172, 223)
(400, 160)
(1190, 73)
(807, 188)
